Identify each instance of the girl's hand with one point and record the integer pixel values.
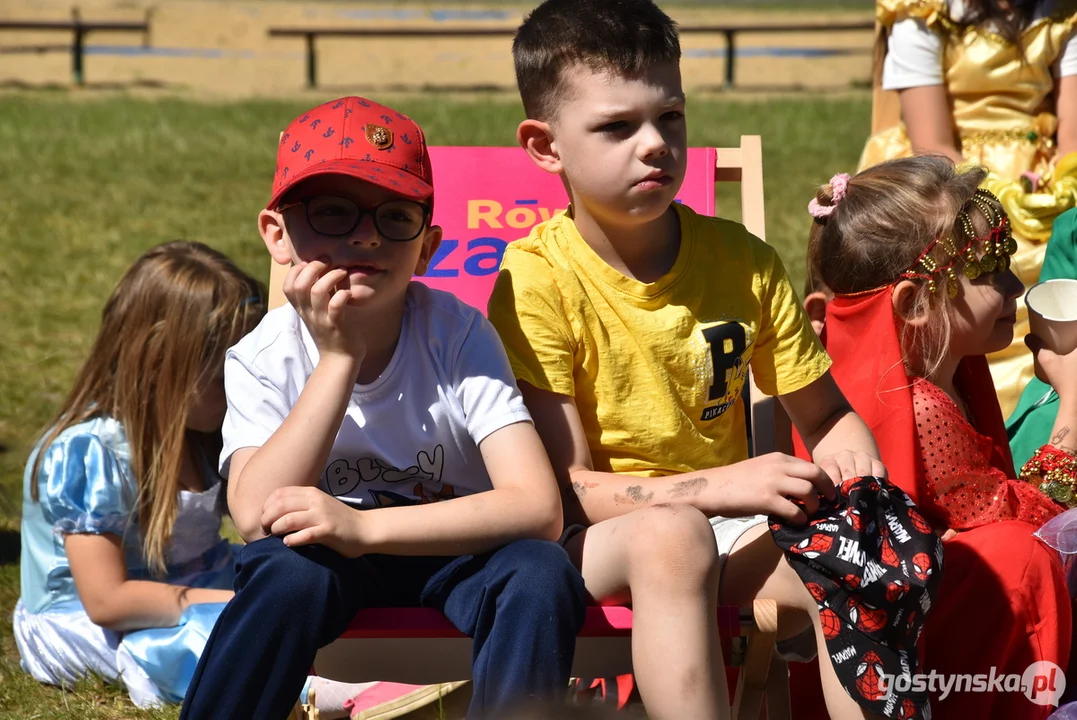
(307, 515)
(766, 485)
(848, 464)
(311, 288)
(948, 534)
(1058, 371)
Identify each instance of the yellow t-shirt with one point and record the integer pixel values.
(656, 369)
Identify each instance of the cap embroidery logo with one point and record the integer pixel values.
(380, 137)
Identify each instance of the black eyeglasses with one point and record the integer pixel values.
(396, 220)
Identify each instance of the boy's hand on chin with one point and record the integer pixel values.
(312, 289)
(308, 516)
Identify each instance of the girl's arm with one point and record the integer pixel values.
(1067, 117)
(524, 503)
(114, 602)
(1060, 371)
(929, 121)
(1064, 433)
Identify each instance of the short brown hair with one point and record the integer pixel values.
(622, 36)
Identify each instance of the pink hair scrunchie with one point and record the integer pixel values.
(839, 185)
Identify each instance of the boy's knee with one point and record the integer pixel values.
(296, 577)
(541, 568)
(673, 543)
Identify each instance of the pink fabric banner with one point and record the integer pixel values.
(486, 197)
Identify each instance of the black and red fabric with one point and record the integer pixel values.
(873, 564)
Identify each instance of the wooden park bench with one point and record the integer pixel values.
(79, 29)
(729, 32)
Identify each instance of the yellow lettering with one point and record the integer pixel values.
(520, 217)
(487, 211)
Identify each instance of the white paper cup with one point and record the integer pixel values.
(1052, 314)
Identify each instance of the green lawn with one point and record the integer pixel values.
(88, 185)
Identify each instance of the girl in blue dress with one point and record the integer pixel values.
(124, 570)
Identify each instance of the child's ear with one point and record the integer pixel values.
(431, 241)
(271, 228)
(537, 139)
(815, 306)
(905, 305)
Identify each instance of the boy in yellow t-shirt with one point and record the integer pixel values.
(631, 322)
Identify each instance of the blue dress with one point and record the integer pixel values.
(85, 485)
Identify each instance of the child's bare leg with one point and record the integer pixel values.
(756, 568)
(662, 560)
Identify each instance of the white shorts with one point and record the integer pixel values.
(727, 531)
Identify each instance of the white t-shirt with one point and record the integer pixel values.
(914, 52)
(410, 436)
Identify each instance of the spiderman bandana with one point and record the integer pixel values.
(874, 566)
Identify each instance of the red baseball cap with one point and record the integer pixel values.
(356, 137)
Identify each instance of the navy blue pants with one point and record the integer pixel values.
(522, 605)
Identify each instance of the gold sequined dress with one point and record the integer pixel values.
(1004, 115)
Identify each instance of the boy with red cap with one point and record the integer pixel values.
(354, 408)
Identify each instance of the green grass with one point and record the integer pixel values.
(87, 186)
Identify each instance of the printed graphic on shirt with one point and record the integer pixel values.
(342, 478)
(730, 351)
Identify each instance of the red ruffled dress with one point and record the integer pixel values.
(1003, 602)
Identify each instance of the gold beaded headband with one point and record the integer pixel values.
(999, 245)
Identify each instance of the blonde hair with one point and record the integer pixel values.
(167, 325)
(889, 216)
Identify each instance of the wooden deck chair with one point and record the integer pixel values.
(486, 197)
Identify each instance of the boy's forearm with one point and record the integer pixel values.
(296, 454)
(466, 525)
(596, 496)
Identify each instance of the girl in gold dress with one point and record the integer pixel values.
(992, 82)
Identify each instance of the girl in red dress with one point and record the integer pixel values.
(918, 260)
